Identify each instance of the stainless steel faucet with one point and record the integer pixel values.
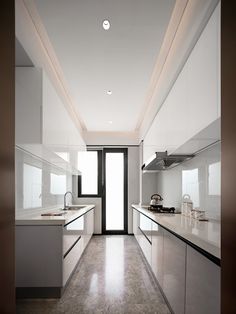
(68, 192)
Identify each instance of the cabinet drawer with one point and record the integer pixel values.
(145, 237)
(157, 252)
(71, 232)
(145, 225)
(71, 259)
(146, 247)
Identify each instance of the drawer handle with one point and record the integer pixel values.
(145, 235)
(68, 251)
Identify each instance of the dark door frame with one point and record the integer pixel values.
(125, 230)
(7, 156)
(228, 130)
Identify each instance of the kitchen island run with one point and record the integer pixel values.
(204, 235)
(184, 256)
(49, 244)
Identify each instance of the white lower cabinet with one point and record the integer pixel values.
(189, 280)
(79, 233)
(88, 227)
(145, 239)
(174, 272)
(202, 284)
(47, 255)
(71, 259)
(142, 228)
(157, 252)
(136, 216)
(38, 256)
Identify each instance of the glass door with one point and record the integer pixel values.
(115, 191)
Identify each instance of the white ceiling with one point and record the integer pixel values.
(94, 61)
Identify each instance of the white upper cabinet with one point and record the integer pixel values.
(203, 76)
(43, 125)
(58, 128)
(193, 103)
(28, 108)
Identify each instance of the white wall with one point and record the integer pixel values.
(149, 187)
(204, 189)
(133, 183)
(41, 190)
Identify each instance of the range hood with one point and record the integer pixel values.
(163, 161)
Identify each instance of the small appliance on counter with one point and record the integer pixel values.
(156, 200)
(198, 214)
(187, 205)
(156, 205)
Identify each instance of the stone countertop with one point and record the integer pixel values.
(203, 234)
(34, 217)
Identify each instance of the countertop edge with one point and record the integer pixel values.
(38, 220)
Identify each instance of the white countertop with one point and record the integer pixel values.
(34, 217)
(203, 234)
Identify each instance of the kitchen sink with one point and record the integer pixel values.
(53, 214)
(62, 212)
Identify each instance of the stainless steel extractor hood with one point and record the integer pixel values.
(163, 161)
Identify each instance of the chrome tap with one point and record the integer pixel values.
(68, 192)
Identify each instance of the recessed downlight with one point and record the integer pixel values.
(110, 122)
(109, 92)
(106, 24)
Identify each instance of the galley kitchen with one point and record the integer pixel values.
(117, 153)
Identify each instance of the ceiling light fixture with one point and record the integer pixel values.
(106, 24)
(110, 122)
(109, 92)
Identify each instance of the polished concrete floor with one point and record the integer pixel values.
(111, 277)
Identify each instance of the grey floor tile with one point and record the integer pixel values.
(112, 277)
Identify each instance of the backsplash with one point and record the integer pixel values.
(198, 177)
(38, 183)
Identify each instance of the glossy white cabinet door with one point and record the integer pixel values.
(193, 102)
(202, 284)
(143, 225)
(145, 229)
(157, 252)
(174, 272)
(203, 76)
(88, 227)
(28, 105)
(71, 260)
(43, 125)
(39, 256)
(58, 127)
(135, 222)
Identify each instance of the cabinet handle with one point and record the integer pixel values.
(68, 251)
(145, 235)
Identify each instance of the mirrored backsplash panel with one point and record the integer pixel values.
(38, 183)
(199, 177)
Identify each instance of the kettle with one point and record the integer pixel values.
(156, 199)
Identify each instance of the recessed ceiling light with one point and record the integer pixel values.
(110, 122)
(109, 92)
(106, 24)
